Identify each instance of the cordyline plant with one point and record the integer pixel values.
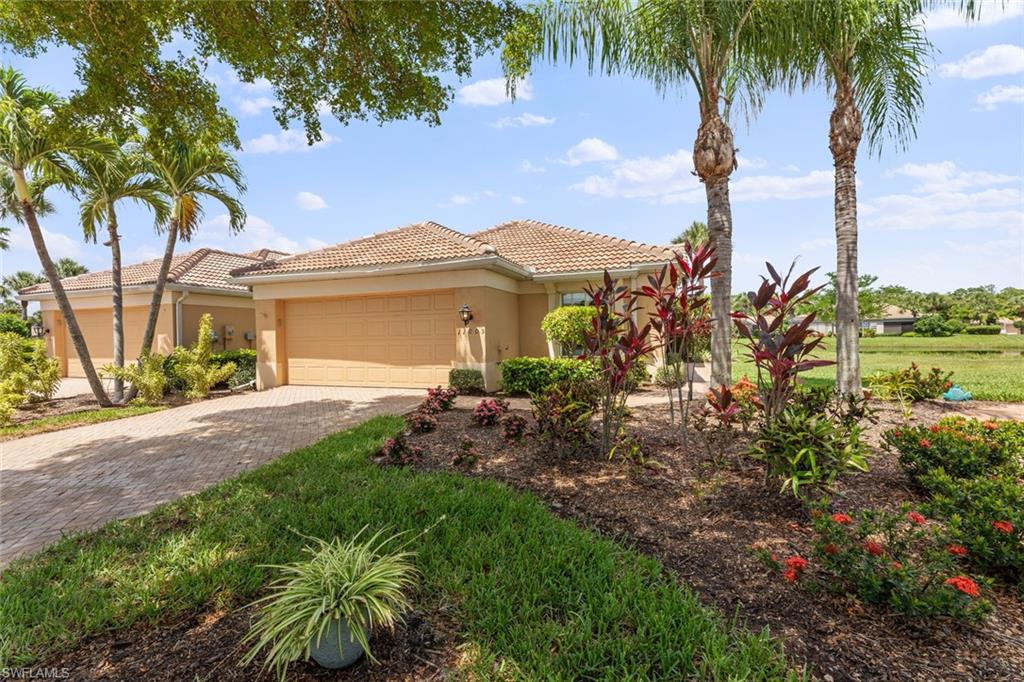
(617, 345)
(780, 348)
(682, 314)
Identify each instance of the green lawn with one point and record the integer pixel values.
(65, 421)
(990, 367)
(536, 595)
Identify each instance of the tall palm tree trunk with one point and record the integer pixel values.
(158, 294)
(50, 270)
(714, 159)
(118, 300)
(24, 310)
(845, 131)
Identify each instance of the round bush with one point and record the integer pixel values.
(568, 325)
(9, 322)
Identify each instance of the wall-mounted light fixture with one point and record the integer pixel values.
(465, 314)
(39, 331)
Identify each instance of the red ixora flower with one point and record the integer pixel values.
(831, 549)
(791, 575)
(797, 563)
(897, 433)
(844, 519)
(1003, 526)
(896, 565)
(924, 443)
(916, 518)
(964, 584)
(934, 429)
(873, 548)
(957, 550)
(991, 426)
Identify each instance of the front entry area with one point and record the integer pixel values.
(388, 340)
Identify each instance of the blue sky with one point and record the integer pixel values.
(612, 155)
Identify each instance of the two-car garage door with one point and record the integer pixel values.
(400, 340)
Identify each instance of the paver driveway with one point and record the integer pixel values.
(80, 478)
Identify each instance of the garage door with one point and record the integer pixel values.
(400, 340)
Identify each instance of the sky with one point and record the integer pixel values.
(612, 155)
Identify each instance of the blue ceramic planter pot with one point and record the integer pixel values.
(333, 651)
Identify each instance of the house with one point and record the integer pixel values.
(893, 321)
(403, 307)
(197, 283)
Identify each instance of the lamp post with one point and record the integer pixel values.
(38, 331)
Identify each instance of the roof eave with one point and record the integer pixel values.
(629, 271)
(492, 262)
(135, 289)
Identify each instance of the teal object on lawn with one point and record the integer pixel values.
(956, 394)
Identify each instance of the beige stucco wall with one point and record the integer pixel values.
(97, 327)
(241, 317)
(532, 309)
(271, 365)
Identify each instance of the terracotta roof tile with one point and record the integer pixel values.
(427, 241)
(548, 248)
(202, 268)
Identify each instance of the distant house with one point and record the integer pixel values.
(1007, 326)
(892, 322)
(197, 283)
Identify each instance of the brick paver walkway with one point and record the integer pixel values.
(76, 479)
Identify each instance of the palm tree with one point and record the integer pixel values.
(10, 206)
(103, 182)
(704, 44)
(31, 147)
(872, 55)
(696, 235)
(69, 267)
(17, 281)
(188, 174)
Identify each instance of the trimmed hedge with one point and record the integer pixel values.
(466, 381)
(986, 329)
(527, 376)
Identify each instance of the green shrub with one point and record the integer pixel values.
(194, 367)
(668, 376)
(526, 376)
(639, 374)
(568, 325)
(804, 449)
(244, 360)
(896, 559)
(147, 376)
(868, 332)
(985, 515)
(466, 381)
(563, 413)
(910, 385)
(935, 325)
(984, 329)
(25, 373)
(965, 448)
(13, 324)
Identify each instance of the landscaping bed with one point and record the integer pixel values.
(703, 514)
(205, 646)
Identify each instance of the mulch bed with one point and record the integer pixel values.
(701, 513)
(207, 646)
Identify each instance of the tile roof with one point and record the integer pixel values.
(427, 241)
(547, 248)
(530, 244)
(202, 268)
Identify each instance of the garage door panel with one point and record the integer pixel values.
(405, 340)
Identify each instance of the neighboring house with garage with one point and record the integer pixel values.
(387, 309)
(197, 283)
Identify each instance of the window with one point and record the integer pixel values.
(575, 298)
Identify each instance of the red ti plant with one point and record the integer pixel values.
(779, 347)
(682, 314)
(617, 345)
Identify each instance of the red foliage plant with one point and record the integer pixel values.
(780, 350)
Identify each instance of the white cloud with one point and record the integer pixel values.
(750, 162)
(257, 234)
(524, 120)
(945, 176)
(988, 209)
(589, 150)
(308, 201)
(285, 141)
(517, 200)
(992, 12)
(57, 243)
(1000, 94)
(670, 180)
(491, 92)
(466, 199)
(527, 167)
(254, 106)
(994, 60)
